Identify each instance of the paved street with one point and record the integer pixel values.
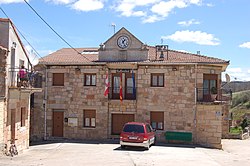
(236, 152)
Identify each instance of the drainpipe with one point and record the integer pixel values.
(195, 101)
(45, 102)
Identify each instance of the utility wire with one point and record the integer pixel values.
(54, 30)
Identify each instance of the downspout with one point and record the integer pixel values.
(45, 102)
(195, 103)
(108, 128)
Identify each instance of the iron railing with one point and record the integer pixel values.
(127, 94)
(31, 78)
(204, 95)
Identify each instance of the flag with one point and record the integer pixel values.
(133, 80)
(121, 87)
(106, 92)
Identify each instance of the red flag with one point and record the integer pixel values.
(106, 92)
(121, 87)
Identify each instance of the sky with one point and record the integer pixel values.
(216, 28)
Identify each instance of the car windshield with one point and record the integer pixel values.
(133, 128)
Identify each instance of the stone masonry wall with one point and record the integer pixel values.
(225, 120)
(2, 72)
(2, 110)
(74, 97)
(18, 100)
(2, 95)
(175, 99)
(209, 128)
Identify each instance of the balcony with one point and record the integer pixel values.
(221, 95)
(129, 93)
(30, 79)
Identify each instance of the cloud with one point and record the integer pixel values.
(80, 5)
(188, 23)
(127, 7)
(151, 10)
(234, 70)
(245, 45)
(11, 1)
(210, 5)
(164, 8)
(238, 74)
(61, 1)
(152, 19)
(88, 5)
(198, 37)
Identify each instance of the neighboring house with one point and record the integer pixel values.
(177, 93)
(14, 99)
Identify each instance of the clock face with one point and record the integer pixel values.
(122, 42)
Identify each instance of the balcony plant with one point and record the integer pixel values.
(213, 92)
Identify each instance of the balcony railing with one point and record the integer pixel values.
(128, 93)
(30, 79)
(204, 95)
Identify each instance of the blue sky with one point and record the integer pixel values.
(217, 28)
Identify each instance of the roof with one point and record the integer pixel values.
(69, 56)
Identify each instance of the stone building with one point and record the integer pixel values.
(14, 99)
(178, 93)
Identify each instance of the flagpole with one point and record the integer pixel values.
(120, 90)
(107, 92)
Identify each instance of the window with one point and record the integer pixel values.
(90, 80)
(157, 80)
(58, 79)
(209, 83)
(130, 91)
(89, 118)
(23, 116)
(116, 86)
(157, 120)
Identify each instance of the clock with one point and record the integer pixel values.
(123, 42)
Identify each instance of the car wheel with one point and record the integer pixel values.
(123, 146)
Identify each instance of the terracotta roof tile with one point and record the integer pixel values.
(173, 56)
(70, 56)
(90, 55)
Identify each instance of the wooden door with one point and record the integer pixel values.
(118, 120)
(57, 124)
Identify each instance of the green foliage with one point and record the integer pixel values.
(241, 98)
(247, 105)
(235, 130)
(240, 106)
(214, 90)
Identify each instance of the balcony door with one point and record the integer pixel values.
(209, 83)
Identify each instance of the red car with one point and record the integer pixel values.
(137, 134)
